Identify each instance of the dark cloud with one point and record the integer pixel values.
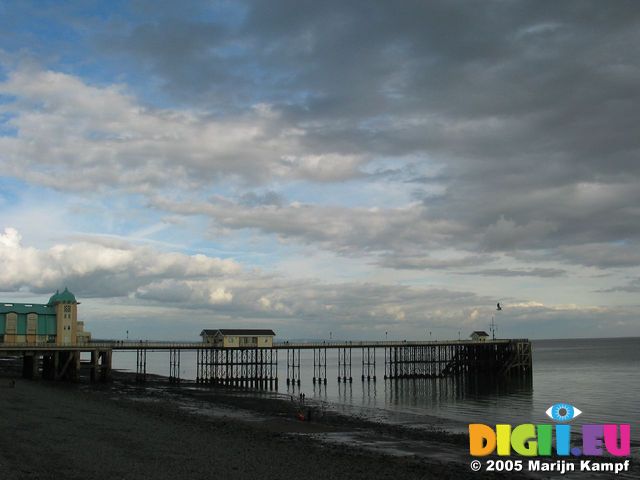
(440, 135)
(352, 231)
(533, 272)
(527, 107)
(612, 255)
(516, 79)
(252, 199)
(609, 255)
(417, 261)
(632, 287)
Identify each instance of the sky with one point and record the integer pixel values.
(359, 169)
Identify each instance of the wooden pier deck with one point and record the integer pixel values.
(168, 345)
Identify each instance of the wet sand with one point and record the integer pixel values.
(120, 430)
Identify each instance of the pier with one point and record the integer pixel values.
(257, 367)
(52, 341)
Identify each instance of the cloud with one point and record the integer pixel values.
(602, 255)
(506, 234)
(105, 268)
(398, 237)
(532, 272)
(476, 84)
(141, 275)
(252, 199)
(74, 136)
(139, 280)
(494, 139)
(632, 286)
(340, 229)
(421, 261)
(525, 111)
(621, 254)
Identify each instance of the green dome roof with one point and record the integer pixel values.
(65, 297)
(54, 298)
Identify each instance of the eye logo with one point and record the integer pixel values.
(563, 412)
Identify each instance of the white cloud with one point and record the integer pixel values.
(220, 296)
(222, 290)
(110, 268)
(337, 228)
(76, 136)
(106, 268)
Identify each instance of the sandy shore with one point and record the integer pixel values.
(123, 431)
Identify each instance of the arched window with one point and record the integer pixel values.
(32, 323)
(11, 325)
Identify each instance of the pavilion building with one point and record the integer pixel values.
(238, 337)
(55, 322)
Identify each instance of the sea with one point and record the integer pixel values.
(601, 377)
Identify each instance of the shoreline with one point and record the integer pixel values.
(157, 430)
(254, 406)
(207, 432)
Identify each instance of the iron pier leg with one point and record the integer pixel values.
(141, 365)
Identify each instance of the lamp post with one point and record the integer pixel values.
(458, 335)
(429, 336)
(330, 335)
(386, 336)
(127, 334)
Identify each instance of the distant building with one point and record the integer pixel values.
(479, 336)
(55, 322)
(238, 338)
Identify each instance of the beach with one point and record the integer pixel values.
(121, 430)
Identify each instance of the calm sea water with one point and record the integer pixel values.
(599, 376)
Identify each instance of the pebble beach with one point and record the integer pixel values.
(120, 430)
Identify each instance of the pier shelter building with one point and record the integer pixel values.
(479, 336)
(238, 338)
(54, 323)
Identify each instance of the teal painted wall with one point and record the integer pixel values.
(51, 325)
(46, 324)
(22, 324)
(42, 325)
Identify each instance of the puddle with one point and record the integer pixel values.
(219, 411)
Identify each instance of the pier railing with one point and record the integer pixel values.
(383, 343)
(281, 345)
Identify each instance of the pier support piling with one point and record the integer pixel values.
(236, 367)
(320, 365)
(174, 365)
(30, 363)
(344, 364)
(444, 360)
(293, 366)
(141, 365)
(368, 364)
